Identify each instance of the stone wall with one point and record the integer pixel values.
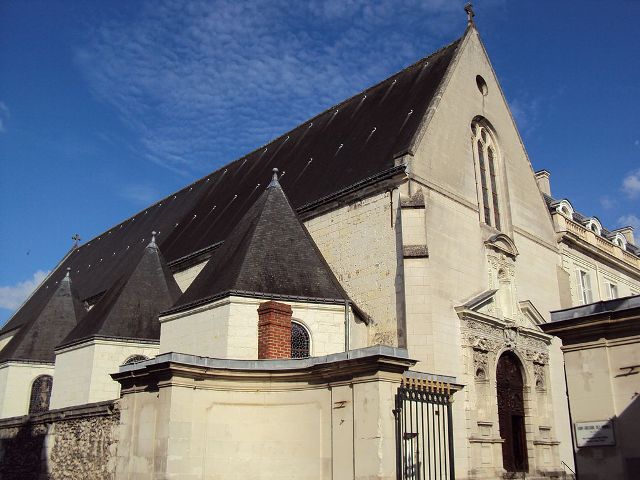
(71, 443)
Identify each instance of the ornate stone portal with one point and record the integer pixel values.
(485, 339)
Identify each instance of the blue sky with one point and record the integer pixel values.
(108, 106)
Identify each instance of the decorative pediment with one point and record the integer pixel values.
(501, 243)
(482, 303)
(531, 313)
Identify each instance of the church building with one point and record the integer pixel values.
(362, 297)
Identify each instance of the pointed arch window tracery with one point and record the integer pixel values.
(486, 156)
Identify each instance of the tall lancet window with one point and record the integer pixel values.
(485, 153)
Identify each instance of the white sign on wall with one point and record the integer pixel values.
(595, 434)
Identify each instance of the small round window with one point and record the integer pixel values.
(482, 85)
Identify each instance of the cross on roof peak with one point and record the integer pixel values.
(470, 13)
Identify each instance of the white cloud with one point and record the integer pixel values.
(201, 82)
(630, 220)
(607, 202)
(4, 116)
(12, 296)
(631, 184)
(526, 113)
(139, 194)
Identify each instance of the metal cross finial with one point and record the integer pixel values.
(470, 13)
(76, 239)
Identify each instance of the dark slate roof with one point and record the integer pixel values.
(62, 312)
(130, 308)
(350, 143)
(578, 217)
(268, 253)
(597, 308)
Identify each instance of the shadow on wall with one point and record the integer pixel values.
(22, 454)
(603, 462)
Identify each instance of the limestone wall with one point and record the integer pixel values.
(229, 329)
(600, 274)
(601, 388)
(292, 419)
(75, 443)
(16, 379)
(358, 242)
(82, 371)
(184, 278)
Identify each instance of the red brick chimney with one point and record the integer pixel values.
(274, 330)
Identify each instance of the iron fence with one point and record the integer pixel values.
(424, 439)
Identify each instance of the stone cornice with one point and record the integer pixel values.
(594, 327)
(174, 369)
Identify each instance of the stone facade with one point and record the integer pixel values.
(318, 418)
(82, 371)
(74, 443)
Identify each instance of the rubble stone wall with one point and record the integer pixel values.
(71, 443)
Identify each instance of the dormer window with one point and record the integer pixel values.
(565, 209)
(594, 225)
(620, 241)
(487, 173)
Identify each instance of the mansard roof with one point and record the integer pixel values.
(130, 307)
(578, 217)
(341, 149)
(36, 341)
(268, 253)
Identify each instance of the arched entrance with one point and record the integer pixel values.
(510, 387)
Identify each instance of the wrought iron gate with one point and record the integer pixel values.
(424, 438)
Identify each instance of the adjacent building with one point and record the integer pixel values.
(601, 346)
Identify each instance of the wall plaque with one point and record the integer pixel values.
(595, 434)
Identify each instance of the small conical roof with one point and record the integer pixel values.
(129, 309)
(268, 253)
(36, 340)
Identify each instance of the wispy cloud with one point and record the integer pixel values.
(526, 112)
(607, 202)
(631, 184)
(12, 296)
(139, 194)
(201, 82)
(630, 220)
(4, 116)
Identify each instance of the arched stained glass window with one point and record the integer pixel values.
(300, 341)
(135, 359)
(485, 153)
(40, 394)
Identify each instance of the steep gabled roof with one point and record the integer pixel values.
(36, 340)
(129, 309)
(270, 253)
(348, 144)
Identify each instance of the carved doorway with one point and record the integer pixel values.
(510, 387)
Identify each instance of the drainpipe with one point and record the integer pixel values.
(347, 327)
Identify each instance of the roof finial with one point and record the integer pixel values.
(152, 243)
(274, 179)
(470, 13)
(76, 240)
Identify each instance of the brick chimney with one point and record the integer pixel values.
(274, 330)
